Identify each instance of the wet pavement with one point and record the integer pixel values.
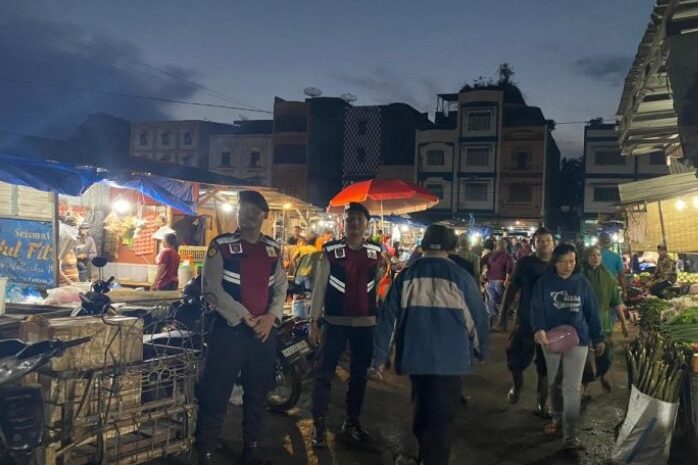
(489, 430)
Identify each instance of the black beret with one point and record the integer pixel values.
(357, 207)
(254, 198)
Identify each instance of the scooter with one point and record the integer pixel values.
(21, 406)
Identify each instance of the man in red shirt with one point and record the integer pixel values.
(167, 278)
(244, 280)
(344, 297)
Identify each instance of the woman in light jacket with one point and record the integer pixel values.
(564, 296)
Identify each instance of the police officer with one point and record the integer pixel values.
(344, 296)
(245, 282)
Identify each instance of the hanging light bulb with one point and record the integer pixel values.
(121, 206)
(695, 201)
(227, 207)
(680, 204)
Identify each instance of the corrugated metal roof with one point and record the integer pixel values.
(661, 188)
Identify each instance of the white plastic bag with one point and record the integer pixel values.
(645, 437)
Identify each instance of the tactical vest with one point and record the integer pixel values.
(351, 293)
(232, 249)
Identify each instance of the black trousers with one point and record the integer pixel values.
(658, 288)
(522, 350)
(232, 350)
(334, 341)
(436, 401)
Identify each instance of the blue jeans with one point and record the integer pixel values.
(495, 292)
(300, 304)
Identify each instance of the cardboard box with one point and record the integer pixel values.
(117, 340)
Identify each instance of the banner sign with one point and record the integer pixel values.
(27, 252)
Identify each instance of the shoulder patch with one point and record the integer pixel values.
(270, 242)
(329, 247)
(212, 251)
(372, 246)
(229, 238)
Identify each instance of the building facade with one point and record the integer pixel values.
(605, 168)
(324, 143)
(246, 154)
(183, 143)
(491, 156)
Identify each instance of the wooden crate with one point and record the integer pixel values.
(116, 340)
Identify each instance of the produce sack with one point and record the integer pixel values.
(645, 437)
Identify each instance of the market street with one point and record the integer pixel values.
(489, 431)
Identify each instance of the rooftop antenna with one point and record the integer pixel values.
(243, 117)
(348, 97)
(312, 92)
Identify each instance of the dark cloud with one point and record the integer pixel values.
(38, 50)
(385, 85)
(606, 68)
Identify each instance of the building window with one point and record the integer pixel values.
(476, 192)
(361, 155)
(436, 189)
(479, 120)
(255, 158)
(521, 159)
(657, 158)
(143, 138)
(606, 194)
(187, 160)
(436, 158)
(363, 127)
(188, 140)
(520, 193)
(165, 138)
(609, 157)
(477, 156)
(165, 157)
(225, 158)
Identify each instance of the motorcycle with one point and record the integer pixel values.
(22, 406)
(96, 302)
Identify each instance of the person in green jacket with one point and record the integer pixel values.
(609, 300)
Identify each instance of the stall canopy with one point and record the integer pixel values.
(61, 178)
(48, 176)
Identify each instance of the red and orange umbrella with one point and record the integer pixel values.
(385, 196)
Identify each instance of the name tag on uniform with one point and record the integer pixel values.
(271, 251)
(235, 248)
(340, 253)
(371, 253)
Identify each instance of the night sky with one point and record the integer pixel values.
(570, 57)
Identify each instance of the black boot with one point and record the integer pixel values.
(515, 391)
(319, 439)
(353, 430)
(205, 457)
(542, 396)
(252, 454)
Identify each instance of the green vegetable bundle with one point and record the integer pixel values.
(656, 366)
(650, 311)
(683, 327)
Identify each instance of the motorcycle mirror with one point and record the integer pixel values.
(99, 262)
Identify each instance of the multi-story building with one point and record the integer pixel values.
(325, 143)
(246, 154)
(491, 156)
(379, 141)
(605, 167)
(184, 143)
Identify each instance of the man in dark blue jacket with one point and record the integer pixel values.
(440, 322)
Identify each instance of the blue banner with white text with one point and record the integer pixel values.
(27, 252)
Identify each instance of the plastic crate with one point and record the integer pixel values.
(196, 252)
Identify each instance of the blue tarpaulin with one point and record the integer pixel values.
(176, 194)
(73, 180)
(47, 176)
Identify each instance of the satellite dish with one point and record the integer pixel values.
(348, 97)
(312, 92)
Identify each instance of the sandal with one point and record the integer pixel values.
(552, 428)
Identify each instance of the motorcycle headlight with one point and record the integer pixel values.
(12, 368)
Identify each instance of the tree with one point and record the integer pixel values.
(504, 73)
